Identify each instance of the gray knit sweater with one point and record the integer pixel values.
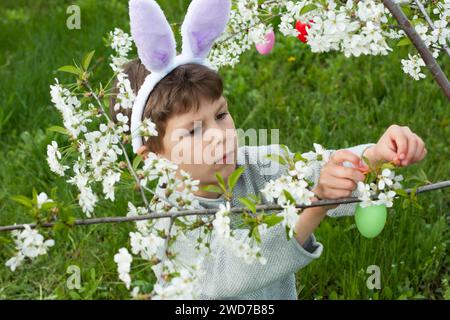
(229, 277)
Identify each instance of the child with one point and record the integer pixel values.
(187, 105)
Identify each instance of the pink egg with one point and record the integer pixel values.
(265, 48)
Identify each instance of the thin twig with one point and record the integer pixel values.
(166, 247)
(423, 50)
(130, 166)
(176, 214)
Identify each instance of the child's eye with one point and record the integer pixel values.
(222, 115)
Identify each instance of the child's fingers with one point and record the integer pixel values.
(396, 161)
(334, 193)
(331, 182)
(420, 154)
(340, 156)
(412, 147)
(401, 141)
(342, 172)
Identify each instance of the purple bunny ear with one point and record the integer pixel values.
(204, 23)
(152, 34)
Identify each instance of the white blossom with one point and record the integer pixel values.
(386, 198)
(222, 222)
(125, 96)
(145, 246)
(29, 244)
(121, 43)
(385, 179)
(413, 66)
(53, 157)
(123, 260)
(42, 198)
(74, 117)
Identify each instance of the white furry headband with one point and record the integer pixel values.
(205, 21)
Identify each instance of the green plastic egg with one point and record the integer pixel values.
(370, 221)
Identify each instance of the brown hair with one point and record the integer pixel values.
(181, 90)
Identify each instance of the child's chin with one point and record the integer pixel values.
(225, 169)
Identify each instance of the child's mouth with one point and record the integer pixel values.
(224, 158)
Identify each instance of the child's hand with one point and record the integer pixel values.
(397, 144)
(337, 181)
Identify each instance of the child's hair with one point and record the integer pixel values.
(186, 87)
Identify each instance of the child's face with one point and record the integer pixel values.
(197, 141)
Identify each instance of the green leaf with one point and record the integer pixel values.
(272, 220)
(308, 8)
(34, 193)
(255, 198)
(212, 188)
(401, 192)
(298, 157)
(286, 149)
(256, 235)
(48, 205)
(234, 177)
(289, 196)
(366, 160)
(276, 157)
(87, 60)
(406, 203)
(70, 221)
(58, 226)
(23, 200)
(249, 204)
(71, 69)
(53, 193)
(136, 161)
(387, 166)
(404, 42)
(221, 181)
(59, 129)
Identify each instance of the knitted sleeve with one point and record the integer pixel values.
(227, 275)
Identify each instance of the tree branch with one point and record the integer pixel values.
(173, 215)
(430, 22)
(423, 50)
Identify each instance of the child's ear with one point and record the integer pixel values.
(143, 151)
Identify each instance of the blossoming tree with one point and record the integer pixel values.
(97, 155)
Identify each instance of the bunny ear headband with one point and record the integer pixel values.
(204, 22)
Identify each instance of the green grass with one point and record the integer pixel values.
(323, 98)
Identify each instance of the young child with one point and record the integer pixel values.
(191, 114)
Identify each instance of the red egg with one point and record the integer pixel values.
(265, 48)
(302, 28)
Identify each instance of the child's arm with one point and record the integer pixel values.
(310, 218)
(227, 275)
(307, 222)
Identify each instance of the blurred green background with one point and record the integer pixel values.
(323, 98)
